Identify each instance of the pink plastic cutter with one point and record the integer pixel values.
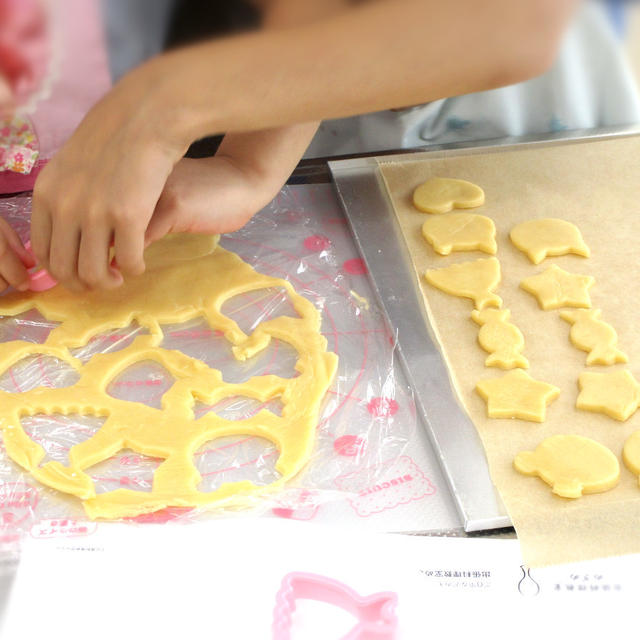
(39, 279)
(375, 613)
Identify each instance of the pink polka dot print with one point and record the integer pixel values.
(355, 267)
(317, 243)
(382, 407)
(348, 446)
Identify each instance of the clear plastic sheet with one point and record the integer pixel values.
(362, 442)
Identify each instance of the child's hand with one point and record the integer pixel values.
(221, 194)
(13, 258)
(210, 195)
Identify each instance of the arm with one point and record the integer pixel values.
(105, 183)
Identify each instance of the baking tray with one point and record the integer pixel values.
(378, 236)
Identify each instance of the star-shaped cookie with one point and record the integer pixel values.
(616, 394)
(517, 395)
(556, 288)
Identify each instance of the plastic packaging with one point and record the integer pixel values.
(361, 441)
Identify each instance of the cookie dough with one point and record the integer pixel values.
(439, 195)
(476, 280)
(631, 453)
(556, 288)
(501, 339)
(548, 237)
(616, 394)
(460, 232)
(594, 336)
(186, 277)
(517, 395)
(572, 465)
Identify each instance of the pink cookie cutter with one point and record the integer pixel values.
(39, 279)
(376, 615)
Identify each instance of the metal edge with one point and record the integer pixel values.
(460, 452)
(376, 232)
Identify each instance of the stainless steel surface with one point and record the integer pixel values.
(381, 243)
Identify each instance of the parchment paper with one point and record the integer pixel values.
(595, 185)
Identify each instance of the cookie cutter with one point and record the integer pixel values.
(39, 279)
(376, 615)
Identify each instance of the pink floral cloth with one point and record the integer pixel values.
(54, 55)
(24, 46)
(18, 145)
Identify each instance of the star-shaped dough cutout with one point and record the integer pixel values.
(556, 288)
(517, 395)
(616, 394)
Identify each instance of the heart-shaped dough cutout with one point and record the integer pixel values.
(439, 195)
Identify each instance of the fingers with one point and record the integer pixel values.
(40, 229)
(93, 261)
(12, 270)
(129, 244)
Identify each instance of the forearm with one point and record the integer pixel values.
(269, 156)
(384, 54)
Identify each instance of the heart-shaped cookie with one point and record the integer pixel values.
(439, 195)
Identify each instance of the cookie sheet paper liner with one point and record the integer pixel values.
(593, 185)
(362, 436)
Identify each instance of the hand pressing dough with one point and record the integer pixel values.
(186, 277)
(548, 237)
(475, 280)
(594, 336)
(572, 465)
(517, 395)
(616, 394)
(439, 195)
(501, 339)
(460, 232)
(555, 288)
(631, 453)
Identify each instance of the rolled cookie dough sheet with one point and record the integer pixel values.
(593, 185)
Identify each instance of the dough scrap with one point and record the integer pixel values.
(476, 280)
(548, 237)
(556, 288)
(501, 339)
(186, 277)
(439, 195)
(594, 336)
(572, 465)
(517, 395)
(616, 394)
(631, 453)
(460, 232)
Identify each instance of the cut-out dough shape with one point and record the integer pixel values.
(572, 465)
(594, 336)
(556, 288)
(460, 232)
(517, 395)
(631, 453)
(616, 394)
(186, 277)
(439, 195)
(548, 237)
(476, 280)
(501, 339)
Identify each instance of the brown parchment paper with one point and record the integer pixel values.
(595, 185)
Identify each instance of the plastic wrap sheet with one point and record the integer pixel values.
(366, 458)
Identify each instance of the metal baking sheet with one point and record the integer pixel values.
(379, 238)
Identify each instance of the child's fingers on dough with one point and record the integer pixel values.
(129, 243)
(94, 269)
(12, 271)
